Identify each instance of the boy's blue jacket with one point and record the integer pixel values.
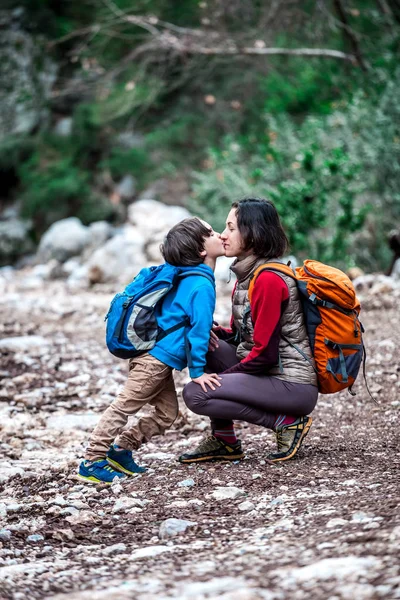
(193, 297)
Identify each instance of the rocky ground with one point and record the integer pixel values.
(325, 526)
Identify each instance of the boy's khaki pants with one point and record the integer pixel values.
(149, 382)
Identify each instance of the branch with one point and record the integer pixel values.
(322, 52)
(186, 45)
(169, 37)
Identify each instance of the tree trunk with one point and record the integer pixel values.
(348, 33)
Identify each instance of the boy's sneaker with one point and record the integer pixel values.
(212, 448)
(98, 471)
(290, 438)
(122, 460)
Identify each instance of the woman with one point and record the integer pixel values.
(264, 377)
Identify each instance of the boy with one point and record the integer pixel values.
(193, 245)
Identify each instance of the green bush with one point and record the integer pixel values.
(314, 185)
(57, 189)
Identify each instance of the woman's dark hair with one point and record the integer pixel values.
(184, 243)
(260, 227)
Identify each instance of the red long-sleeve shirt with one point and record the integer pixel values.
(270, 299)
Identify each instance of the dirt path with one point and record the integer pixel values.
(325, 526)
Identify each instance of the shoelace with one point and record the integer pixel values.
(206, 444)
(282, 439)
(110, 469)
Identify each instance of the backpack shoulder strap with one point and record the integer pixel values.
(274, 267)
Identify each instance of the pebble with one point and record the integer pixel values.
(127, 503)
(277, 501)
(115, 549)
(173, 527)
(150, 551)
(186, 483)
(373, 525)
(35, 537)
(336, 523)
(227, 493)
(5, 535)
(246, 506)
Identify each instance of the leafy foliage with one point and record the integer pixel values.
(321, 138)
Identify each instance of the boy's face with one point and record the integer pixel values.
(213, 246)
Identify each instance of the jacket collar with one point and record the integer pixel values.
(243, 268)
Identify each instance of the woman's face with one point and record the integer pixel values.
(231, 238)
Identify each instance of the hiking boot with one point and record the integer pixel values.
(212, 448)
(98, 471)
(122, 460)
(290, 438)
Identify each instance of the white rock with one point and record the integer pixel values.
(7, 471)
(64, 239)
(5, 535)
(99, 233)
(119, 258)
(213, 588)
(227, 493)
(336, 523)
(84, 421)
(158, 456)
(173, 527)
(115, 549)
(126, 188)
(346, 567)
(35, 537)
(395, 534)
(186, 483)
(396, 270)
(63, 127)
(125, 503)
(179, 503)
(195, 502)
(372, 525)
(246, 506)
(151, 216)
(59, 501)
(25, 569)
(79, 279)
(360, 517)
(83, 517)
(32, 344)
(150, 551)
(350, 482)
(222, 271)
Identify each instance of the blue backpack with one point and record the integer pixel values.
(132, 327)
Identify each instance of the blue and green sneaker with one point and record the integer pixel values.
(122, 460)
(98, 471)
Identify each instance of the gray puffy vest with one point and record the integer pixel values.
(292, 365)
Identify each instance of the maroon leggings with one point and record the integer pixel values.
(256, 399)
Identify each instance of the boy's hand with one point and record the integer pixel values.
(209, 379)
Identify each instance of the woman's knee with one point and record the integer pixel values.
(194, 398)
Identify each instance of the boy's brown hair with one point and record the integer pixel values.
(184, 243)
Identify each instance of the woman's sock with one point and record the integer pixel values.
(224, 430)
(281, 420)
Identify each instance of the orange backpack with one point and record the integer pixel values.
(331, 310)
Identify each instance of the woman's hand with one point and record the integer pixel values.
(209, 379)
(214, 341)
